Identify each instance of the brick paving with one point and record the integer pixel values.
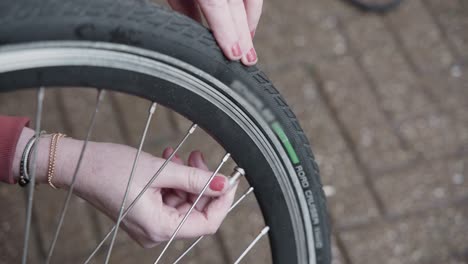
(384, 104)
(384, 101)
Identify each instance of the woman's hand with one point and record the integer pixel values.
(233, 23)
(103, 177)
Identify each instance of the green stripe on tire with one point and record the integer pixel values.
(286, 143)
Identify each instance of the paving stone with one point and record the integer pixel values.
(337, 257)
(340, 9)
(133, 112)
(461, 125)
(398, 69)
(374, 244)
(79, 107)
(23, 103)
(12, 221)
(310, 11)
(352, 205)
(20, 103)
(449, 89)
(432, 135)
(130, 252)
(399, 91)
(298, 40)
(436, 236)
(49, 205)
(428, 184)
(368, 32)
(358, 110)
(210, 250)
(452, 15)
(421, 37)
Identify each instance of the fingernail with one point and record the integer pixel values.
(236, 50)
(252, 55)
(252, 33)
(217, 184)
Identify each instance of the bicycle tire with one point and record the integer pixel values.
(377, 8)
(159, 34)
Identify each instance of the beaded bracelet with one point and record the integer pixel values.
(52, 157)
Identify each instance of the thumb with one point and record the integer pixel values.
(192, 180)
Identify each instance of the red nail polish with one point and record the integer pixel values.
(236, 50)
(217, 184)
(252, 55)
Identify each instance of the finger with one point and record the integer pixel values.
(208, 222)
(183, 195)
(197, 160)
(191, 180)
(173, 199)
(239, 16)
(186, 7)
(219, 19)
(168, 151)
(253, 9)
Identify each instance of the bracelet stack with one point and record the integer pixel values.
(24, 178)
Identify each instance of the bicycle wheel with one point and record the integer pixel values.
(142, 49)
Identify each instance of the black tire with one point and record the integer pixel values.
(381, 7)
(142, 25)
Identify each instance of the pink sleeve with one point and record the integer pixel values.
(10, 130)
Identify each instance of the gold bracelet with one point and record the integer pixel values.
(52, 157)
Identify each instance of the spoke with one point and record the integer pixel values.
(225, 158)
(155, 176)
(130, 179)
(75, 173)
(32, 182)
(201, 237)
(252, 244)
(241, 199)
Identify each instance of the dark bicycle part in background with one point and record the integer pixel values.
(377, 6)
